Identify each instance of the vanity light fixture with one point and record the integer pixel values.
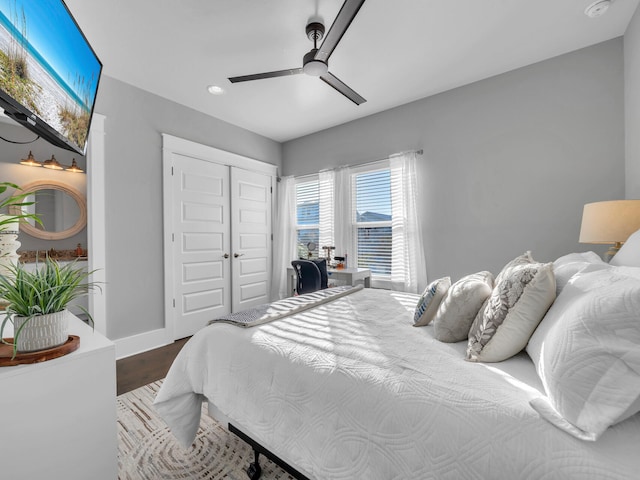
(51, 164)
(30, 161)
(74, 167)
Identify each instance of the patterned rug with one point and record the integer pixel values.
(147, 450)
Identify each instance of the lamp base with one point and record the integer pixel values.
(613, 249)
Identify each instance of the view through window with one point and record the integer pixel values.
(307, 218)
(372, 220)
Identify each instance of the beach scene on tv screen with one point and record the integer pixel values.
(47, 66)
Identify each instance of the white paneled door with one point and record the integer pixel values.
(251, 238)
(201, 243)
(218, 231)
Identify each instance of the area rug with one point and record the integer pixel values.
(147, 450)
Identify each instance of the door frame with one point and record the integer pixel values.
(96, 227)
(175, 145)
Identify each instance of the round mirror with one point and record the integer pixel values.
(62, 209)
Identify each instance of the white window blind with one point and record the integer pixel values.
(314, 214)
(307, 218)
(372, 217)
(325, 192)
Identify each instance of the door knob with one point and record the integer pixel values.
(236, 255)
(226, 255)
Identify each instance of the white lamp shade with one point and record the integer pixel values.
(609, 222)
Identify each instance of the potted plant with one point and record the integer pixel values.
(37, 302)
(17, 200)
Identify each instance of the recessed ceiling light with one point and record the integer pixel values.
(215, 90)
(597, 9)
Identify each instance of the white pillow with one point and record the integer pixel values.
(428, 303)
(567, 266)
(460, 306)
(523, 259)
(629, 253)
(587, 350)
(513, 311)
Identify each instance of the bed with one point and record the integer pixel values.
(350, 388)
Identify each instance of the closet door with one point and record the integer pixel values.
(250, 238)
(201, 276)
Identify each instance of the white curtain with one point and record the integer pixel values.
(284, 239)
(343, 230)
(408, 265)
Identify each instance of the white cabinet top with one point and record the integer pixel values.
(91, 341)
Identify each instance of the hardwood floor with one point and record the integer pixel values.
(138, 370)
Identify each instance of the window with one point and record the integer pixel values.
(307, 218)
(371, 200)
(370, 218)
(368, 212)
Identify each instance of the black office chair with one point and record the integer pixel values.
(321, 263)
(307, 275)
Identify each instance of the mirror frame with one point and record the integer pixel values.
(53, 185)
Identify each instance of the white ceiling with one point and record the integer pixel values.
(393, 53)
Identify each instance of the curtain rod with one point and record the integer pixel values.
(369, 162)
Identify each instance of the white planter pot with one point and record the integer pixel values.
(42, 331)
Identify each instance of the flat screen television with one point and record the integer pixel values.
(49, 73)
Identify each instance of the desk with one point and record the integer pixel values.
(350, 275)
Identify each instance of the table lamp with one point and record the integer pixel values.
(610, 222)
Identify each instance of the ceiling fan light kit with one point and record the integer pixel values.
(316, 62)
(313, 67)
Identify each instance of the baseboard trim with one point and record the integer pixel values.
(142, 342)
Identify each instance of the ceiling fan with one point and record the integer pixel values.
(316, 61)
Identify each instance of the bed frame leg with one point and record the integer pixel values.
(254, 471)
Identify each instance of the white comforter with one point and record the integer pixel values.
(351, 390)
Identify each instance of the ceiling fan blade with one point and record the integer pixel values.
(343, 88)
(259, 76)
(345, 16)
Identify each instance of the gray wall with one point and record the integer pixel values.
(508, 162)
(632, 106)
(134, 257)
(12, 171)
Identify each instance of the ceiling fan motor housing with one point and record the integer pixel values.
(313, 67)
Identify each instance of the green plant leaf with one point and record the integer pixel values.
(49, 288)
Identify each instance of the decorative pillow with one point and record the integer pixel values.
(567, 266)
(523, 259)
(460, 306)
(629, 253)
(513, 311)
(429, 301)
(587, 351)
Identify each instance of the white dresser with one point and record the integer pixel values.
(58, 418)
